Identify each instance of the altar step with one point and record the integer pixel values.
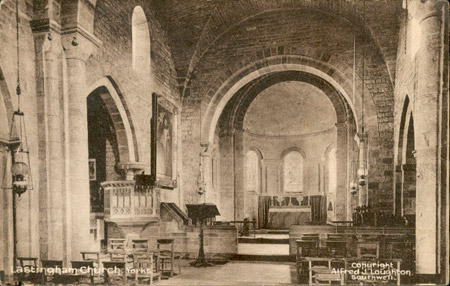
(262, 240)
(264, 247)
(272, 231)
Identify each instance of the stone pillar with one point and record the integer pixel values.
(6, 227)
(350, 155)
(52, 191)
(430, 18)
(239, 188)
(78, 46)
(408, 186)
(226, 177)
(398, 191)
(341, 171)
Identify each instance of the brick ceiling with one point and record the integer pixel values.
(194, 25)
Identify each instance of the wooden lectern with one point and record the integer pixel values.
(200, 212)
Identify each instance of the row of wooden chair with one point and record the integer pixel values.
(143, 270)
(164, 255)
(51, 271)
(366, 245)
(313, 260)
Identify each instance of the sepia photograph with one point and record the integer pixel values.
(224, 142)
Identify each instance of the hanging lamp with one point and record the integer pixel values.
(18, 143)
(201, 186)
(363, 136)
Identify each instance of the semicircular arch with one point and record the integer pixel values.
(216, 104)
(120, 116)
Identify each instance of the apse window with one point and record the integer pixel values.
(140, 41)
(293, 172)
(251, 171)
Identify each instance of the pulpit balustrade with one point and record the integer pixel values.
(124, 200)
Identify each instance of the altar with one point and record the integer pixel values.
(283, 217)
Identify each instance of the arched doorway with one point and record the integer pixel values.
(103, 147)
(112, 147)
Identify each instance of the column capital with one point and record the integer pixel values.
(78, 43)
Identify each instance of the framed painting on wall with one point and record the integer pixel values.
(163, 142)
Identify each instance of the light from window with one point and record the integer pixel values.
(140, 41)
(293, 172)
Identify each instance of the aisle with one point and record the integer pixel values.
(235, 273)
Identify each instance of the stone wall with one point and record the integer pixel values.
(313, 146)
(55, 82)
(421, 93)
(28, 212)
(272, 148)
(257, 40)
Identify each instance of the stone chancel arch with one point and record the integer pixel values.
(229, 105)
(338, 82)
(120, 117)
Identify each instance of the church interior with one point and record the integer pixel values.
(224, 142)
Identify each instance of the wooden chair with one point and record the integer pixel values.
(82, 269)
(116, 250)
(399, 247)
(167, 257)
(321, 271)
(139, 246)
(145, 268)
(29, 263)
(51, 275)
(337, 248)
(310, 236)
(112, 276)
(351, 281)
(336, 236)
(305, 248)
(116, 245)
(93, 256)
(368, 249)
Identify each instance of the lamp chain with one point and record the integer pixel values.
(18, 89)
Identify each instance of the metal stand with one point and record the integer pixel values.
(201, 259)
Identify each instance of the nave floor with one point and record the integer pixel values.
(235, 273)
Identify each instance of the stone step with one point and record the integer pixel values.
(272, 258)
(262, 240)
(263, 249)
(272, 231)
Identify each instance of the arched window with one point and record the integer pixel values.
(140, 41)
(251, 171)
(293, 172)
(332, 171)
